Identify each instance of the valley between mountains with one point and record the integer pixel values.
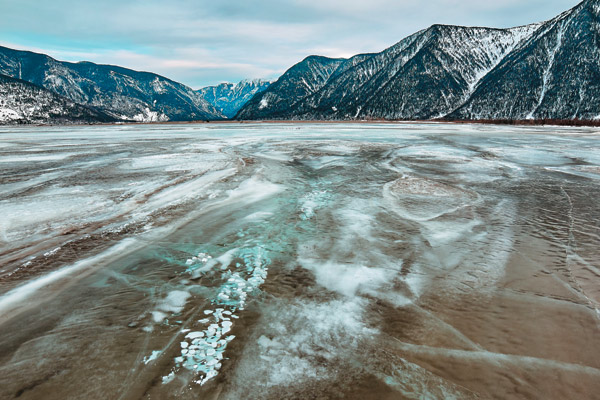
(541, 71)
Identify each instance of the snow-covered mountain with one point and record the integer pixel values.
(229, 98)
(25, 103)
(553, 75)
(122, 93)
(297, 83)
(547, 70)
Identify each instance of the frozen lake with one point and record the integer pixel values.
(259, 261)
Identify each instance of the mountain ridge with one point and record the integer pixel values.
(117, 91)
(571, 66)
(22, 102)
(293, 82)
(442, 72)
(229, 98)
(548, 70)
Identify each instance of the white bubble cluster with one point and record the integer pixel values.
(202, 351)
(200, 258)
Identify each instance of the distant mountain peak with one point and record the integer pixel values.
(301, 80)
(228, 98)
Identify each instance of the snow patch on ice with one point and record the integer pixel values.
(258, 216)
(311, 202)
(422, 199)
(296, 342)
(254, 189)
(346, 279)
(158, 316)
(175, 301)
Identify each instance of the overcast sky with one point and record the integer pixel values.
(200, 43)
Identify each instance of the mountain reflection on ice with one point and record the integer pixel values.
(299, 261)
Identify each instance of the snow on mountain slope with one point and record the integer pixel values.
(426, 75)
(422, 76)
(343, 90)
(229, 98)
(24, 103)
(301, 80)
(117, 91)
(443, 74)
(554, 75)
(548, 70)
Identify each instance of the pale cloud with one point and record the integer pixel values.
(200, 42)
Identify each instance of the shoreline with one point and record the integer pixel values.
(522, 123)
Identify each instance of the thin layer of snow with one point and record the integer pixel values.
(548, 67)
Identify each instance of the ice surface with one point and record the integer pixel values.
(254, 189)
(282, 260)
(54, 209)
(17, 298)
(290, 349)
(422, 199)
